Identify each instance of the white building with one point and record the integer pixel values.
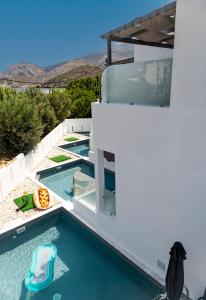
(158, 142)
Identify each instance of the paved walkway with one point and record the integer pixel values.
(47, 163)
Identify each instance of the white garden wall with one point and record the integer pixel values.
(16, 171)
(79, 125)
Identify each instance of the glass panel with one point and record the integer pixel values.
(84, 189)
(91, 141)
(109, 202)
(145, 83)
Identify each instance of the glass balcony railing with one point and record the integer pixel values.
(84, 189)
(91, 140)
(109, 202)
(145, 83)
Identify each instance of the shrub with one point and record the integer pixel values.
(88, 83)
(46, 112)
(6, 93)
(60, 103)
(25, 117)
(80, 102)
(20, 126)
(82, 93)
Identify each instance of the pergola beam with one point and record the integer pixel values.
(109, 52)
(136, 42)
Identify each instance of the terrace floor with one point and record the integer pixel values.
(76, 135)
(47, 163)
(8, 215)
(8, 207)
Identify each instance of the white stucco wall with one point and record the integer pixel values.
(160, 159)
(145, 53)
(160, 163)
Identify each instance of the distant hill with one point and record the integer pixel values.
(25, 70)
(89, 65)
(76, 73)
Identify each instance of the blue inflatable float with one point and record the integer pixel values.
(41, 272)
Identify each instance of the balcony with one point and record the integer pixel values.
(146, 83)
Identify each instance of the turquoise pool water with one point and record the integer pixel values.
(85, 268)
(87, 133)
(60, 179)
(81, 147)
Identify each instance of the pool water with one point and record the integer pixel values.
(80, 148)
(85, 268)
(60, 179)
(87, 133)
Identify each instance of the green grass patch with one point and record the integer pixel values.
(71, 139)
(20, 201)
(59, 158)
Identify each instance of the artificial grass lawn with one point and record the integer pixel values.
(59, 158)
(19, 201)
(71, 139)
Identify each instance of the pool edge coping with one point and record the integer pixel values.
(69, 207)
(70, 152)
(64, 208)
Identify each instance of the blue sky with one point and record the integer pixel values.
(46, 32)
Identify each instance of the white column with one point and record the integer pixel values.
(189, 59)
(99, 178)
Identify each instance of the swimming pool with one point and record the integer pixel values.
(80, 147)
(87, 133)
(85, 268)
(60, 179)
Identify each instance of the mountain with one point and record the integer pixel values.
(76, 73)
(24, 72)
(25, 69)
(28, 74)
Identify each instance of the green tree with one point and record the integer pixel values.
(82, 93)
(25, 117)
(20, 126)
(46, 112)
(60, 103)
(88, 83)
(80, 102)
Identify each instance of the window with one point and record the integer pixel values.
(106, 182)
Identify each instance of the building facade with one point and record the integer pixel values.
(159, 150)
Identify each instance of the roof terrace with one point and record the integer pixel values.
(147, 81)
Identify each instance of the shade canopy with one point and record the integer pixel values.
(175, 272)
(156, 28)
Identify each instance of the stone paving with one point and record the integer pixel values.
(47, 163)
(69, 134)
(8, 207)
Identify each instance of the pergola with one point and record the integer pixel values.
(156, 29)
